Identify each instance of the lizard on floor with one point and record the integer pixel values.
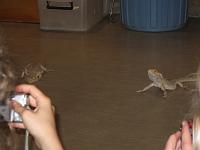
(33, 72)
(159, 81)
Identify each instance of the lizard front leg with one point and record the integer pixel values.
(164, 91)
(146, 88)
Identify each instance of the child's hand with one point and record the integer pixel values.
(40, 122)
(181, 140)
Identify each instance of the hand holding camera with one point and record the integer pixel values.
(40, 121)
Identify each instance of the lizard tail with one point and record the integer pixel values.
(188, 78)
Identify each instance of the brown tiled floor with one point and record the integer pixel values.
(96, 76)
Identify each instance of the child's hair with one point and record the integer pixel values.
(194, 114)
(9, 139)
(196, 132)
(7, 72)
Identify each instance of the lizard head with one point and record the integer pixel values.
(154, 75)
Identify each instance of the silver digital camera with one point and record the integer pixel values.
(8, 114)
(22, 99)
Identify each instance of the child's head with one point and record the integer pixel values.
(7, 79)
(195, 114)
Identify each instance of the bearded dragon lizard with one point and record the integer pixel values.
(33, 72)
(159, 81)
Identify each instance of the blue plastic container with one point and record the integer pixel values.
(154, 15)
